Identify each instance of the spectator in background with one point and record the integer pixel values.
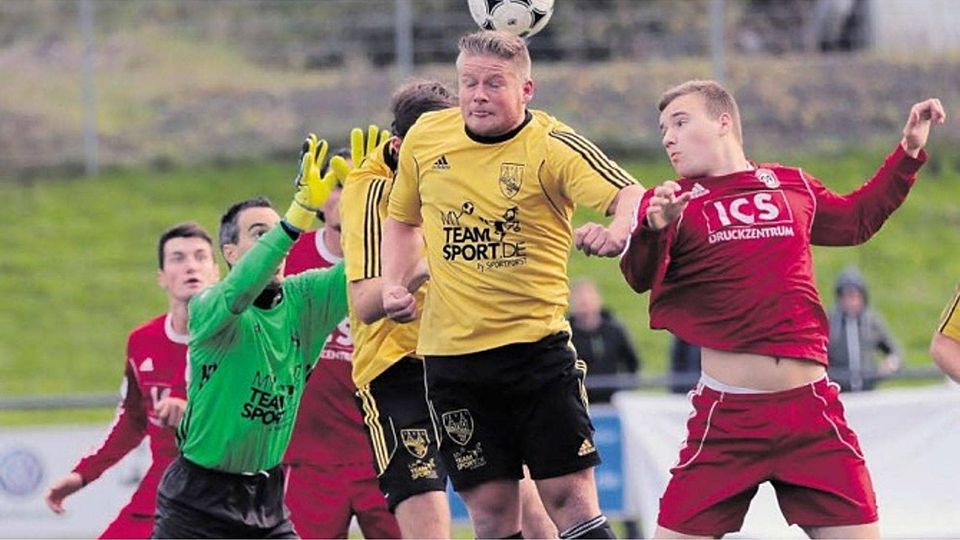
(600, 339)
(154, 389)
(684, 365)
(856, 334)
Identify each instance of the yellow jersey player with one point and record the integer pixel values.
(491, 188)
(945, 345)
(386, 371)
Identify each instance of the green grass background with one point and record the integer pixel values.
(77, 271)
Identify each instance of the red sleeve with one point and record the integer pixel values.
(645, 251)
(848, 220)
(128, 429)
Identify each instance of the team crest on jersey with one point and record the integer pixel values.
(458, 425)
(415, 441)
(769, 178)
(511, 177)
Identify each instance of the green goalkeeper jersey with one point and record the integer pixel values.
(248, 365)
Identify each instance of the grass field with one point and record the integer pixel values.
(78, 270)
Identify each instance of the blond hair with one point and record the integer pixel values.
(502, 45)
(717, 99)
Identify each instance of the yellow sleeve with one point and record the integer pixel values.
(585, 174)
(950, 318)
(361, 211)
(404, 203)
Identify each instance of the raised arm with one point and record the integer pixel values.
(845, 220)
(659, 209)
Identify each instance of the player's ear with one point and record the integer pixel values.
(726, 124)
(395, 144)
(230, 254)
(528, 88)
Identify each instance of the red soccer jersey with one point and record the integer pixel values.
(156, 369)
(735, 272)
(329, 429)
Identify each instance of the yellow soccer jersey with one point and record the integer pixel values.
(496, 215)
(363, 207)
(950, 318)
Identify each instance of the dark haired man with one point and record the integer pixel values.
(253, 339)
(154, 388)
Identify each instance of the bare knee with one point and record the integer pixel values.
(425, 515)
(494, 508)
(570, 499)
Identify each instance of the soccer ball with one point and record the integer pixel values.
(521, 17)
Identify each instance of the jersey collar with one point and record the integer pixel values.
(322, 247)
(172, 334)
(499, 138)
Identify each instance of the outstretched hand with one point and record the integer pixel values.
(665, 206)
(917, 129)
(360, 149)
(61, 489)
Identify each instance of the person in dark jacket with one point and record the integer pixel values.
(684, 365)
(857, 334)
(600, 339)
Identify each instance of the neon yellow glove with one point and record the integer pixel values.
(312, 190)
(359, 150)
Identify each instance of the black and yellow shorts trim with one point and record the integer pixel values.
(523, 403)
(401, 434)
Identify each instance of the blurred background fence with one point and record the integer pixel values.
(93, 83)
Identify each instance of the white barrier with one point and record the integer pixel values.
(32, 458)
(911, 439)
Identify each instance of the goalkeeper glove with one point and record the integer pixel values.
(312, 189)
(359, 150)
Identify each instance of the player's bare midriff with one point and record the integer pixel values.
(760, 372)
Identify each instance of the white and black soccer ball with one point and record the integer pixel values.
(521, 17)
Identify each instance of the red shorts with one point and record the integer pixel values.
(323, 499)
(135, 520)
(797, 439)
(129, 525)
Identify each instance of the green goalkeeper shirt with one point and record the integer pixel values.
(248, 365)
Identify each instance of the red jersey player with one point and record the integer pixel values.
(330, 476)
(725, 251)
(154, 387)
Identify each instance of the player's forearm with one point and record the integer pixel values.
(855, 218)
(641, 260)
(126, 433)
(402, 251)
(946, 353)
(366, 300)
(254, 271)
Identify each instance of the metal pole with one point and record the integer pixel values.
(90, 151)
(718, 26)
(404, 38)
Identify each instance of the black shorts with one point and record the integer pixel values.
(196, 502)
(523, 403)
(401, 434)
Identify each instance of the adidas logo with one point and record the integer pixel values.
(441, 163)
(147, 365)
(698, 191)
(586, 448)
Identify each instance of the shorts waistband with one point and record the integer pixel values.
(273, 472)
(815, 387)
